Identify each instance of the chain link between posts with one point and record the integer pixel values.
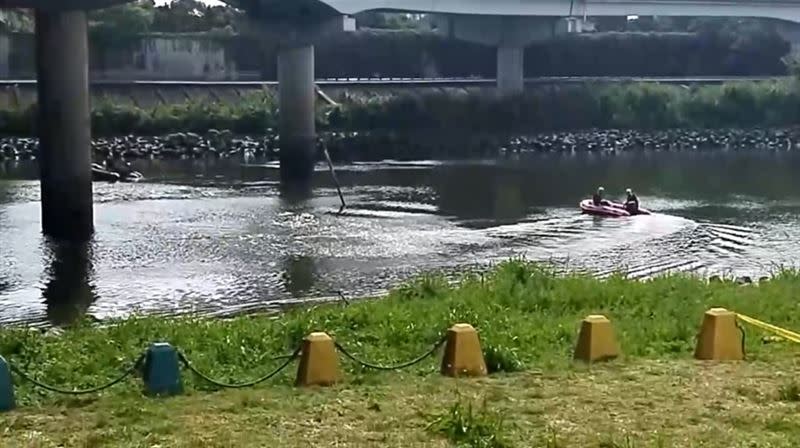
(287, 360)
(373, 366)
(127, 373)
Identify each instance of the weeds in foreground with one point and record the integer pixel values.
(551, 439)
(626, 442)
(467, 426)
(789, 392)
(501, 358)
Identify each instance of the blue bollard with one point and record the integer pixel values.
(162, 374)
(6, 387)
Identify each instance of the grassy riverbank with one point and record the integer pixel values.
(622, 405)
(528, 321)
(627, 106)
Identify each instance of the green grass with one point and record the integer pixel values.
(467, 426)
(789, 392)
(526, 316)
(639, 403)
(528, 320)
(625, 106)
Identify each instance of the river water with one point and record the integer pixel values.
(216, 237)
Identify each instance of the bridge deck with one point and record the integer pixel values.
(777, 9)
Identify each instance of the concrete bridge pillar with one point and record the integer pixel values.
(64, 126)
(509, 34)
(510, 69)
(5, 56)
(296, 90)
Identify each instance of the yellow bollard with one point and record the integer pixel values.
(462, 353)
(319, 364)
(596, 341)
(719, 339)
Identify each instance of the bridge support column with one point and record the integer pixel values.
(509, 34)
(297, 115)
(5, 53)
(295, 32)
(64, 127)
(510, 64)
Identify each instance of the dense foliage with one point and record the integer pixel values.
(629, 106)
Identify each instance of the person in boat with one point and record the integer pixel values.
(597, 198)
(631, 202)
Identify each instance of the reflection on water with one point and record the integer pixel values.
(299, 275)
(69, 290)
(216, 236)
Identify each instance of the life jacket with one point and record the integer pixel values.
(632, 202)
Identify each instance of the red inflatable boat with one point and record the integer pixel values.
(611, 209)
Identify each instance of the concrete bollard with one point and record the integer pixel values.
(162, 374)
(719, 339)
(462, 353)
(319, 363)
(6, 387)
(596, 341)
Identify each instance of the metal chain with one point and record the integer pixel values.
(288, 358)
(414, 361)
(117, 380)
(744, 335)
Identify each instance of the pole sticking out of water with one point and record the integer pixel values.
(333, 174)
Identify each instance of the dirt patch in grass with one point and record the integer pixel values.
(679, 403)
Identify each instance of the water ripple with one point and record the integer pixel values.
(222, 240)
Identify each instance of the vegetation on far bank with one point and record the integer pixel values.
(621, 106)
(626, 106)
(528, 320)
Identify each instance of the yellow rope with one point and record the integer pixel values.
(782, 332)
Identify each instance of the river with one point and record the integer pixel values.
(215, 237)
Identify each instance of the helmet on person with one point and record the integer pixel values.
(628, 191)
(600, 189)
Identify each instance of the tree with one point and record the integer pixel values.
(189, 16)
(392, 21)
(180, 16)
(129, 19)
(16, 20)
